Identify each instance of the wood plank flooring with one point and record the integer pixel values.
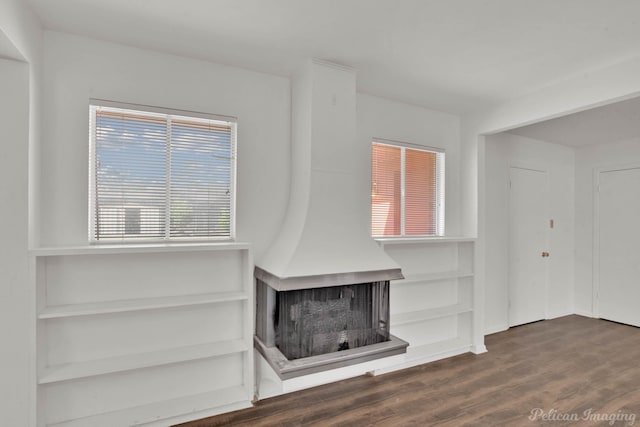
(568, 365)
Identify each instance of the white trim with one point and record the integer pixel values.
(595, 266)
(167, 115)
(177, 241)
(527, 166)
(440, 185)
(157, 413)
(585, 314)
(334, 65)
(137, 248)
(478, 349)
(495, 329)
(433, 277)
(234, 180)
(403, 195)
(161, 111)
(401, 144)
(559, 314)
(198, 415)
(430, 352)
(441, 193)
(423, 239)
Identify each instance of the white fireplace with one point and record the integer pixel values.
(323, 285)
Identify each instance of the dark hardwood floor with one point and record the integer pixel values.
(565, 367)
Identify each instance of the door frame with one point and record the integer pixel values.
(595, 268)
(535, 167)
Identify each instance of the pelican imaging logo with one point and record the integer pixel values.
(589, 415)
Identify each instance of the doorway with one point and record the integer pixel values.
(528, 242)
(616, 249)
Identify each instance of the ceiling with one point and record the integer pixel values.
(610, 123)
(451, 55)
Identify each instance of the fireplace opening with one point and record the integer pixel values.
(316, 323)
(310, 322)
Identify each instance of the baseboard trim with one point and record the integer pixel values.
(585, 314)
(421, 360)
(560, 314)
(478, 349)
(179, 419)
(495, 329)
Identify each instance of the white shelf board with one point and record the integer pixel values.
(162, 410)
(432, 277)
(428, 314)
(423, 240)
(70, 371)
(106, 307)
(418, 355)
(435, 349)
(103, 249)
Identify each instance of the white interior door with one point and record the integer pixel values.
(618, 228)
(528, 231)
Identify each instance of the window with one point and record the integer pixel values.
(407, 190)
(158, 174)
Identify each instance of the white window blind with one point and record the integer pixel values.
(160, 174)
(407, 191)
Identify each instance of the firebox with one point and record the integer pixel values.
(309, 322)
(309, 327)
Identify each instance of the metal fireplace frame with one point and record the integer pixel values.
(288, 369)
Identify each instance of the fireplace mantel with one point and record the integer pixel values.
(325, 280)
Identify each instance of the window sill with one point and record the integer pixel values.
(105, 249)
(424, 239)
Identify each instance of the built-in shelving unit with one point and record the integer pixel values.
(432, 308)
(434, 277)
(88, 309)
(162, 410)
(70, 371)
(142, 334)
(429, 313)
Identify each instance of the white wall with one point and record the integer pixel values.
(20, 38)
(382, 118)
(77, 69)
(502, 151)
(589, 159)
(16, 296)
